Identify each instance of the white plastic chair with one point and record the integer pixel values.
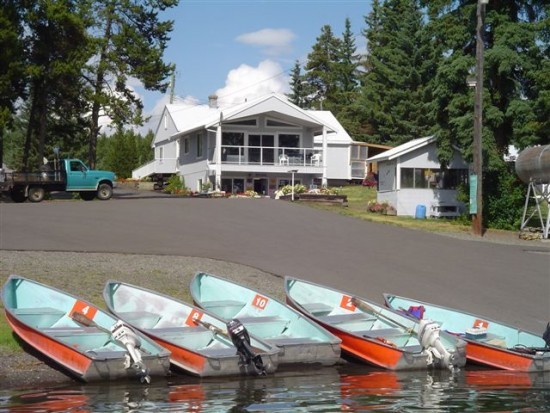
(316, 159)
(283, 159)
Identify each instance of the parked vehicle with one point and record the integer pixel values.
(300, 339)
(375, 334)
(83, 340)
(65, 175)
(489, 342)
(201, 343)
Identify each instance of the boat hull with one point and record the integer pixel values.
(490, 349)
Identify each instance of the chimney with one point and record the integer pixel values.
(213, 101)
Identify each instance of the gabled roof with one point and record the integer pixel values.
(402, 149)
(338, 134)
(191, 118)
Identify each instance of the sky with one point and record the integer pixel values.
(242, 49)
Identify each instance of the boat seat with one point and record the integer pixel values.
(345, 318)
(219, 351)
(106, 354)
(189, 337)
(382, 332)
(223, 308)
(140, 319)
(285, 341)
(317, 309)
(267, 326)
(40, 317)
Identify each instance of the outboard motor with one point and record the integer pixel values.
(241, 340)
(428, 336)
(125, 335)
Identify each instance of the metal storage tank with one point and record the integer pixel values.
(533, 164)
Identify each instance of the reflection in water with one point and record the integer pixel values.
(350, 388)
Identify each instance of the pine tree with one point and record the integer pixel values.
(321, 73)
(12, 57)
(129, 40)
(397, 68)
(298, 94)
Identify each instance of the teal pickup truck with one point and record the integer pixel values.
(67, 175)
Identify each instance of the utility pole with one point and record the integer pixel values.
(172, 83)
(477, 218)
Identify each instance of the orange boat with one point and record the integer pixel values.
(201, 343)
(490, 342)
(375, 334)
(83, 340)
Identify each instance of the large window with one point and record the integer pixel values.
(428, 178)
(262, 151)
(236, 140)
(287, 140)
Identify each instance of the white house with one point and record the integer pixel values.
(410, 178)
(254, 145)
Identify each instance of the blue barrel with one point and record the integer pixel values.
(420, 212)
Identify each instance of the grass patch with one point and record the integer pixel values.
(358, 198)
(7, 340)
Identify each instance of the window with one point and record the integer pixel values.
(232, 142)
(262, 150)
(279, 124)
(359, 152)
(289, 140)
(242, 122)
(428, 178)
(186, 146)
(199, 145)
(161, 153)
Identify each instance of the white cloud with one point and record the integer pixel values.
(247, 82)
(273, 42)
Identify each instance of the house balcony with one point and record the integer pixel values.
(268, 159)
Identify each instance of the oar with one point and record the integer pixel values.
(212, 327)
(365, 307)
(88, 322)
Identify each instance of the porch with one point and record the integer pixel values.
(268, 156)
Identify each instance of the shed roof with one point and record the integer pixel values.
(402, 149)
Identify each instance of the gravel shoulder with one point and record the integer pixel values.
(84, 275)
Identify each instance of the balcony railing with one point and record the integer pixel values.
(267, 155)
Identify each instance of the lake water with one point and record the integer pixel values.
(349, 388)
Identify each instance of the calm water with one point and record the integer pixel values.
(353, 388)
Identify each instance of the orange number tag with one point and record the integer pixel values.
(481, 324)
(347, 303)
(260, 301)
(85, 309)
(193, 316)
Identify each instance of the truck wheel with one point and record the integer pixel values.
(36, 194)
(104, 191)
(17, 195)
(87, 195)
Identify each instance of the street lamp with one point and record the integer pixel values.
(292, 171)
(476, 204)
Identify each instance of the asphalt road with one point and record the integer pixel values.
(510, 283)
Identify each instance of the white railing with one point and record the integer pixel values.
(269, 156)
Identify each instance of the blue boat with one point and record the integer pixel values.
(83, 340)
(489, 342)
(300, 339)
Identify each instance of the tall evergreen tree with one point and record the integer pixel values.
(397, 70)
(321, 72)
(12, 58)
(298, 94)
(56, 42)
(129, 40)
(516, 101)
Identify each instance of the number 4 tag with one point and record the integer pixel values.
(347, 303)
(85, 309)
